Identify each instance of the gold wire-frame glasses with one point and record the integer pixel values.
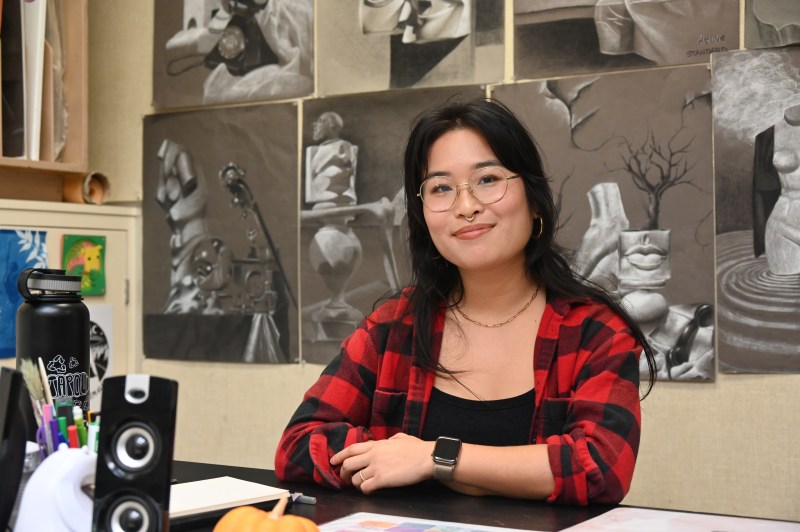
(487, 186)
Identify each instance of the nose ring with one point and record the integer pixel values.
(470, 218)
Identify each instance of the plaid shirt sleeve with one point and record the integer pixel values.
(592, 421)
(337, 411)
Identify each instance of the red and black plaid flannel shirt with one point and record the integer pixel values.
(586, 380)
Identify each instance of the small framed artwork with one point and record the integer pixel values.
(85, 256)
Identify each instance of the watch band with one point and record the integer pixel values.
(443, 472)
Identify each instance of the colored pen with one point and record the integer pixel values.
(62, 425)
(72, 432)
(55, 434)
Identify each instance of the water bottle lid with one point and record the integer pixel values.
(48, 280)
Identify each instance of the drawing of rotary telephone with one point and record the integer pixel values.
(241, 46)
(232, 37)
(247, 285)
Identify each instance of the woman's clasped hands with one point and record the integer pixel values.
(401, 460)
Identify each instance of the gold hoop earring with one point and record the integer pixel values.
(538, 235)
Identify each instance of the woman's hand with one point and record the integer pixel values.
(401, 460)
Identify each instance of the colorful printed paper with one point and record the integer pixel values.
(369, 522)
(19, 249)
(85, 256)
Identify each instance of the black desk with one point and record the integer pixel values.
(426, 501)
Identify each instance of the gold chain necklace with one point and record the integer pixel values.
(509, 320)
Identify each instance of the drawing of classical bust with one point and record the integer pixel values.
(330, 165)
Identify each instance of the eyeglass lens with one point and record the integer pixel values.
(488, 185)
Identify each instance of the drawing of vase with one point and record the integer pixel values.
(335, 254)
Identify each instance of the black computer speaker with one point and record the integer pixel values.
(15, 410)
(134, 454)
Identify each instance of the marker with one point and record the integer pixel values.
(72, 432)
(55, 434)
(62, 425)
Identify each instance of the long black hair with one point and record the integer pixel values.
(434, 279)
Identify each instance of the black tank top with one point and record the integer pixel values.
(500, 422)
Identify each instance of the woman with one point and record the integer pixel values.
(497, 371)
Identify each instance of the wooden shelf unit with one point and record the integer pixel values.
(44, 180)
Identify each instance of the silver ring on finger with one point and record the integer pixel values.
(361, 474)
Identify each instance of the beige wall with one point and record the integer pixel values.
(726, 447)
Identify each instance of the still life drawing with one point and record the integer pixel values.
(560, 37)
(220, 234)
(632, 177)
(771, 23)
(222, 51)
(372, 45)
(757, 140)
(19, 249)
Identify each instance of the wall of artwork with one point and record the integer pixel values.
(604, 100)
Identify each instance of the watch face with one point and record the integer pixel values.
(446, 449)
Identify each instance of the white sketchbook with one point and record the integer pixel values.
(220, 493)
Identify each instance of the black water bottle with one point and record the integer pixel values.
(53, 324)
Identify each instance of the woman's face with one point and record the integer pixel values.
(495, 239)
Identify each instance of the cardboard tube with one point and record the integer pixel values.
(92, 188)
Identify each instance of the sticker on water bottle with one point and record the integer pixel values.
(63, 383)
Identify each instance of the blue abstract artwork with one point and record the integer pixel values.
(19, 249)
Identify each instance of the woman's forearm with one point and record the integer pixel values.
(519, 471)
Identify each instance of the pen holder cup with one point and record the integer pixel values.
(58, 484)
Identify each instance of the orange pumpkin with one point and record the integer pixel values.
(251, 519)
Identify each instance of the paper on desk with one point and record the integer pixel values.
(638, 519)
(369, 522)
(190, 498)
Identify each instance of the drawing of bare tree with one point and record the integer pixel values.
(656, 167)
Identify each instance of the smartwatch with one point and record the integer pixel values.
(445, 457)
